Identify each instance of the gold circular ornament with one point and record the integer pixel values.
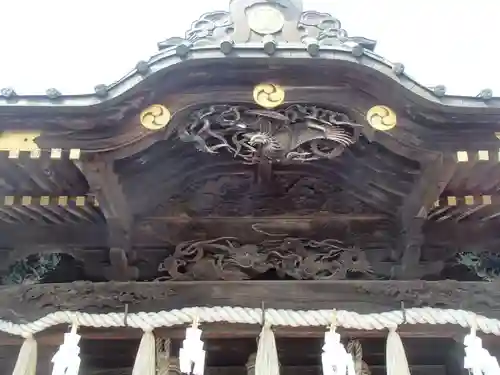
(268, 95)
(155, 117)
(381, 118)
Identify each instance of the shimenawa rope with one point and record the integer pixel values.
(192, 354)
(276, 317)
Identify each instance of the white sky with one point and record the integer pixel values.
(73, 45)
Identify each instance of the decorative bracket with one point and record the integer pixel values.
(426, 191)
(105, 184)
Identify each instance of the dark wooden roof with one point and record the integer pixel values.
(227, 35)
(135, 193)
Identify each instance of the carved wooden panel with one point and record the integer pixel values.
(229, 259)
(238, 195)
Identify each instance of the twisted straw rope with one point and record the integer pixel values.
(281, 317)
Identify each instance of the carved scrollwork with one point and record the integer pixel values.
(322, 26)
(226, 258)
(211, 26)
(254, 20)
(328, 30)
(219, 259)
(209, 29)
(486, 265)
(298, 133)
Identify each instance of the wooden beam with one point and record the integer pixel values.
(55, 336)
(428, 187)
(285, 370)
(416, 206)
(158, 231)
(106, 186)
(26, 303)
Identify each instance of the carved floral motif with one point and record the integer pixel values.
(226, 258)
(299, 133)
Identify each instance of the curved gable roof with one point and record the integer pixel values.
(253, 29)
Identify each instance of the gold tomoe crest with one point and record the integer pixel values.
(381, 118)
(268, 95)
(155, 117)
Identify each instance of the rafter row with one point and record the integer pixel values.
(468, 200)
(54, 153)
(479, 155)
(62, 201)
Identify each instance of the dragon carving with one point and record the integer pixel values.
(298, 133)
(226, 258)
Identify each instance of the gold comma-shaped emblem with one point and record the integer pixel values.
(268, 95)
(381, 118)
(155, 117)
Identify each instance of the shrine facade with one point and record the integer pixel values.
(268, 158)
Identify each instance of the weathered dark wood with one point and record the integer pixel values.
(287, 370)
(20, 303)
(105, 185)
(231, 355)
(156, 232)
(328, 175)
(428, 187)
(154, 238)
(55, 336)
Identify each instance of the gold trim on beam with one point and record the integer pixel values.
(465, 156)
(462, 156)
(452, 201)
(468, 200)
(17, 143)
(483, 155)
(54, 153)
(61, 201)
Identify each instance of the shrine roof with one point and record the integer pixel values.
(274, 32)
(263, 121)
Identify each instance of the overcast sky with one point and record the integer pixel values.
(74, 45)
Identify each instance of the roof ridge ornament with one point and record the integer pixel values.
(254, 21)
